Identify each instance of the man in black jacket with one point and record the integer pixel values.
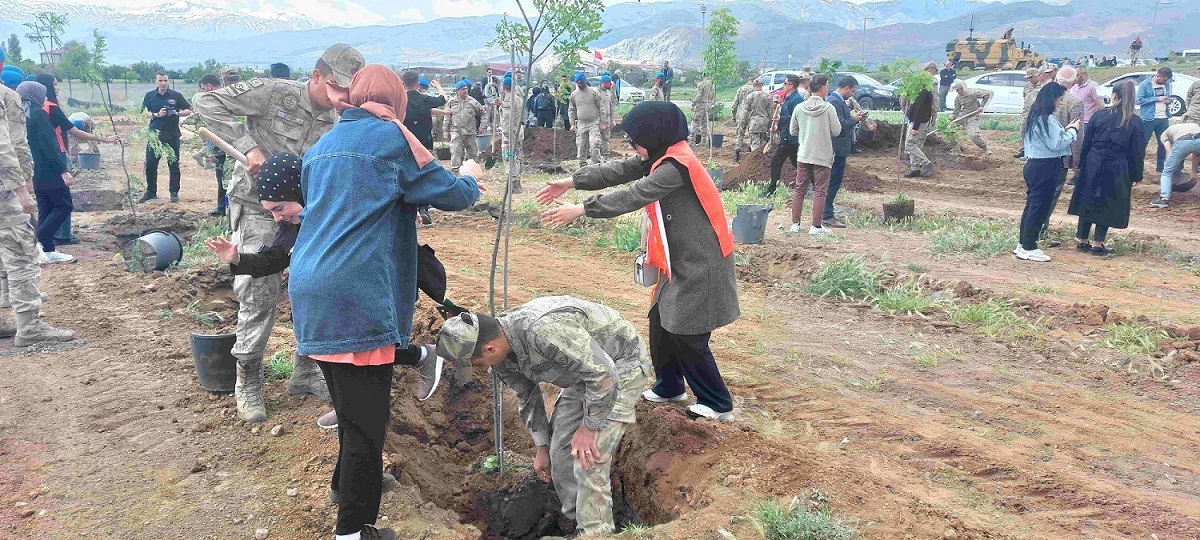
(946, 78)
(921, 115)
(418, 116)
(842, 144)
(166, 107)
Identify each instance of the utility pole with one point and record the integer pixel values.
(864, 55)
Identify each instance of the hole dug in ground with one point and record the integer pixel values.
(440, 446)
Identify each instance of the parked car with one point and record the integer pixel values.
(629, 92)
(871, 94)
(1179, 85)
(1007, 87)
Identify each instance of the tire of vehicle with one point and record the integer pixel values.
(966, 65)
(869, 104)
(1177, 107)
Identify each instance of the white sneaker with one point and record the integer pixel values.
(795, 228)
(42, 259)
(1035, 255)
(704, 411)
(54, 257)
(650, 396)
(819, 231)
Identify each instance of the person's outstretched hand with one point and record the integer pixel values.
(472, 169)
(554, 189)
(226, 251)
(563, 215)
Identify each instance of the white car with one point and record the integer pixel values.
(1007, 88)
(629, 92)
(1179, 87)
(773, 80)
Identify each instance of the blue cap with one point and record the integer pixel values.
(77, 123)
(579, 77)
(423, 82)
(660, 75)
(605, 78)
(465, 83)
(508, 80)
(30, 77)
(507, 74)
(12, 76)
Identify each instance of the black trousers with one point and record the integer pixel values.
(220, 168)
(545, 118)
(172, 167)
(54, 207)
(784, 152)
(1084, 230)
(564, 109)
(362, 397)
(678, 358)
(1041, 177)
(1044, 232)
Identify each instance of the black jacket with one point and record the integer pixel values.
(48, 164)
(1110, 161)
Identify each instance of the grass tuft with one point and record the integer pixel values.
(195, 253)
(993, 317)
(207, 319)
(624, 236)
(280, 366)
(1133, 340)
(794, 521)
(905, 298)
(847, 278)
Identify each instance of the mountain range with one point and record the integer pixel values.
(182, 34)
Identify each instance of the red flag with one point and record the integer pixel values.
(598, 55)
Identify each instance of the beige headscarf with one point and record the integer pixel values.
(378, 90)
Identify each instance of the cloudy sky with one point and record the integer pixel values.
(359, 12)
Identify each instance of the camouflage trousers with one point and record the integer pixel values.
(19, 269)
(971, 126)
(700, 117)
(759, 139)
(253, 228)
(605, 134)
(462, 146)
(586, 496)
(587, 143)
(917, 161)
(743, 127)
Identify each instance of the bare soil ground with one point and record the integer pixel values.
(1035, 436)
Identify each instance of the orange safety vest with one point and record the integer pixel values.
(658, 253)
(46, 106)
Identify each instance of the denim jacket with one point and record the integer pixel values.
(1146, 98)
(353, 281)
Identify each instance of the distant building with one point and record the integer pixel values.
(435, 72)
(52, 57)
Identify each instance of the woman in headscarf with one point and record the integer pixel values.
(353, 279)
(688, 242)
(1110, 161)
(62, 127)
(51, 180)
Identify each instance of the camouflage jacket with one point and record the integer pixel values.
(972, 100)
(15, 159)
(608, 106)
(656, 94)
(586, 107)
(758, 107)
(704, 95)
(739, 101)
(279, 117)
(511, 102)
(570, 342)
(1193, 104)
(463, 115)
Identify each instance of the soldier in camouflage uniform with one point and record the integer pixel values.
(1193, 104)
(511, 104)
(741, 116)
(656, 91)
(757, 109)
(968, 107)
(281, 116)
(461, 124)
(608, 112)
(586, 120)
(702, 107)
(739, 100)
(600, 362)
(18, 247)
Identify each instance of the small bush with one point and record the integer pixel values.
(1133, 340)
(999, 123)
(847, 278)
(280, 366)
(796, 522)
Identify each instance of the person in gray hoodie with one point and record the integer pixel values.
(814, 124)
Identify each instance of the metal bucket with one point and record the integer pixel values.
(750, 223)
(89, 161)
(156, 250)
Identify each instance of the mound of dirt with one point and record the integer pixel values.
(539, 145)
(860, 182)
(180, 222)
(755, 167)
(887, 137)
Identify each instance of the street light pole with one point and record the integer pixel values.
(789, 61)
(864, 57)
(1153, 22)
(703, 30)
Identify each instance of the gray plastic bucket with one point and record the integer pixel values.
(750, 224)
(216, 367)
(483, 140)
(718, 140)
(156, 250)
(89, 161)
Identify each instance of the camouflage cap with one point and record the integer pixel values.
(344, 61)
(456, 342)
(1031, 73)
(804, 75)
(1049, 67)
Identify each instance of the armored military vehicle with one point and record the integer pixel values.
(1003, 53)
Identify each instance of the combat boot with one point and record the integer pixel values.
(32, 330)
(248, 390)
(7, 329)
(307, 380)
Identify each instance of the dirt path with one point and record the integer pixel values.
(997, 437)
